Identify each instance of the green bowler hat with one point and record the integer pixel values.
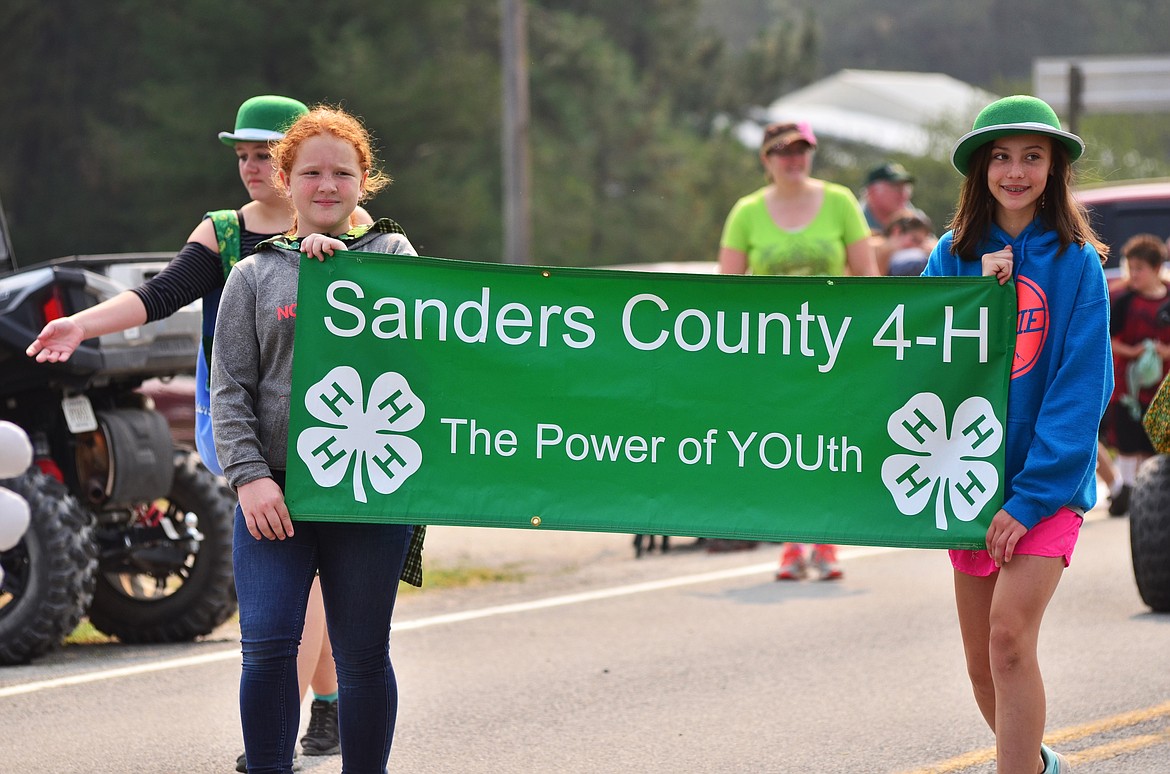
(263, 119)
(1020, 114)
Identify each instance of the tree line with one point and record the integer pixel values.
(109, 142)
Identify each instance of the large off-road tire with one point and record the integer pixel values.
(136, 608)
(49, 575)
(1149, 532)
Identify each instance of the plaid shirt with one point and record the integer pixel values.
(412, 568)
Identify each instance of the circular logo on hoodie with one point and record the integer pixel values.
(1031, 325)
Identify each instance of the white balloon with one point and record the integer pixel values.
(14, 518)
(16, 452)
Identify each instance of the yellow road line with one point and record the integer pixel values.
(1104, 752)
(1108, 724)
(1073, 733)
(961, 763)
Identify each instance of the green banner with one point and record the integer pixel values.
(840, 410)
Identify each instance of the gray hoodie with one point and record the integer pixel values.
(251, 359)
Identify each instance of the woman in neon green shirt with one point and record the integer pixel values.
(797, 225)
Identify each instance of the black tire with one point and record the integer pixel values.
(202, 595)
(1149, 532)
(48, 576)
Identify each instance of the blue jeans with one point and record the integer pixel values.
(359, 565)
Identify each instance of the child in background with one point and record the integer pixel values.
(905, 245)
(1135, 330)
(325, 166)
(1017, 219)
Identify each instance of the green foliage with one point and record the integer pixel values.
(1124, 147)
(780, 57)
(978, 41)
(114, 148)
(618, 173)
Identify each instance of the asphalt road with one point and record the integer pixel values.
(687, 662)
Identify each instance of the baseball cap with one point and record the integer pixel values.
(783, 133)
(890, 172)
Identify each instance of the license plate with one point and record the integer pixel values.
(79, 414)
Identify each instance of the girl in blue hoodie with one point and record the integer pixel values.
(1017, 220)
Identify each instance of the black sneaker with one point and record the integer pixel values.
(242, 763)
(322, 738)
(1119, 503)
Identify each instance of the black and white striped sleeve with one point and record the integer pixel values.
(193, 273)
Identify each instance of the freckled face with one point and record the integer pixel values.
(325, 183)
(1018, 172)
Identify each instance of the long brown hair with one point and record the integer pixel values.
(1058, 208)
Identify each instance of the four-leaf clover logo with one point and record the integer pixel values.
(946, 466)
(358, 437)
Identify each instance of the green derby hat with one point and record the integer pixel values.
(1020, 114)
(263, 119)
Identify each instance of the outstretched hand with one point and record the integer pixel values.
(57, 341)
(998, 264)
(1002, 536)
(319, 245)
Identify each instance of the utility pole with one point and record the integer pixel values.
(517, 176)
(1076, 96)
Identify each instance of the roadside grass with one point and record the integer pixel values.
(86, 634)
(437, 578)
(434, 579)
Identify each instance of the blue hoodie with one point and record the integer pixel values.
(1062, 373)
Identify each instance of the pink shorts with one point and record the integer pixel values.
(1053, 536)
